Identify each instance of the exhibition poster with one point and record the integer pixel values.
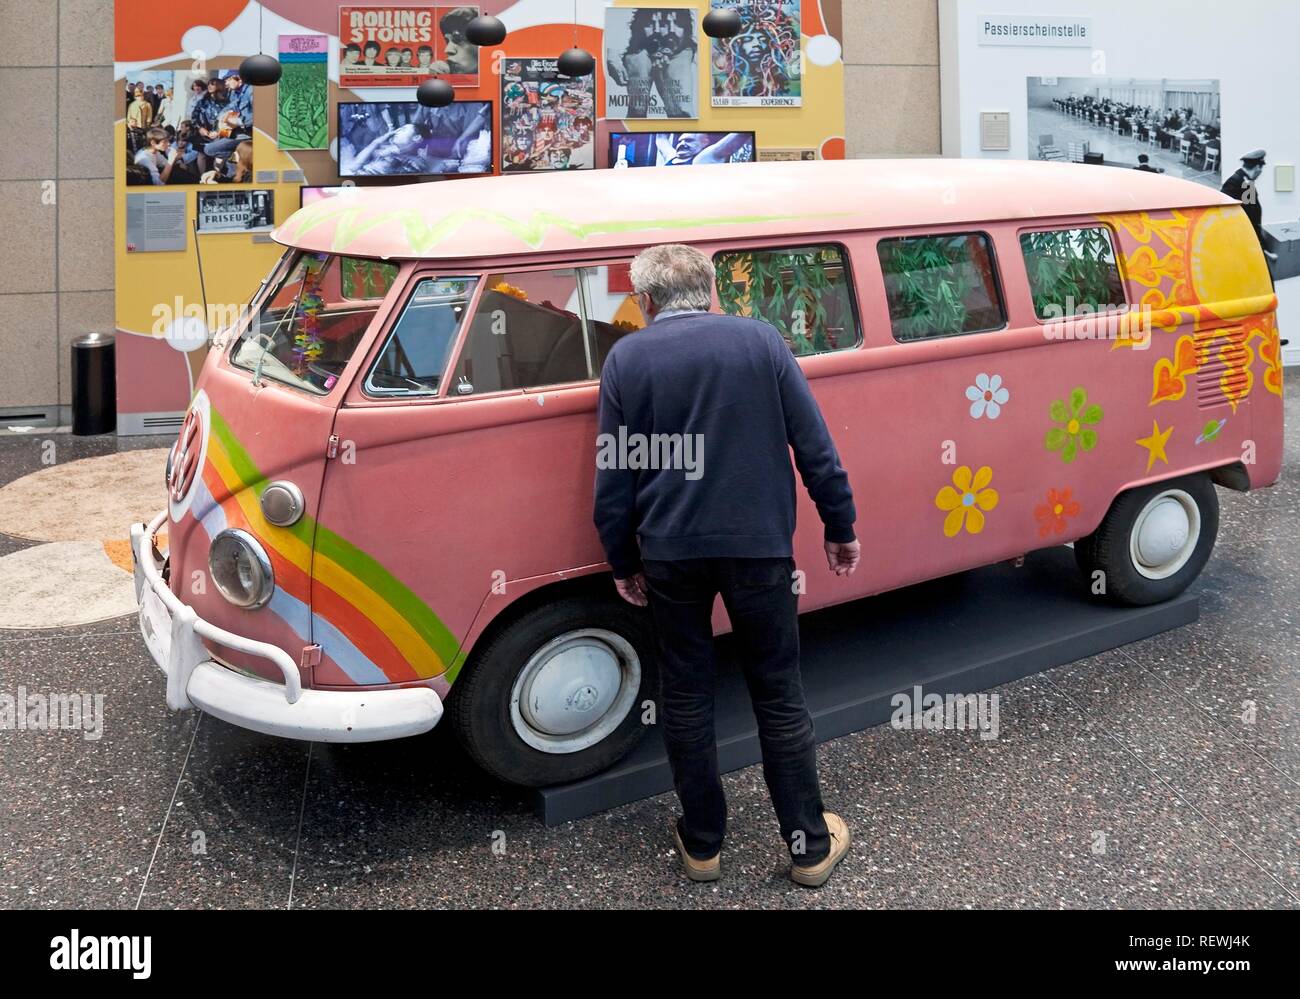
(188, 127)
(403, 45)
(236, 211)
(760, 66)
(303, 92)
(547, 121)
(651, 63)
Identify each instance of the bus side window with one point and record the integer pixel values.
(942, 285)
(1072, 271)
(804, 291)
(526, 332)
(611, 308)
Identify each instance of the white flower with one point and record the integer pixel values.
(987, 396)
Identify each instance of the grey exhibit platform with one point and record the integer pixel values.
(960, 635)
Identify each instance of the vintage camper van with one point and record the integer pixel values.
(379, 507)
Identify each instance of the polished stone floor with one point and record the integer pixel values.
(1129, 779)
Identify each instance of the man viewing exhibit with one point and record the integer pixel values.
(679, 541)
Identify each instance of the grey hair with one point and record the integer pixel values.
(675, 276)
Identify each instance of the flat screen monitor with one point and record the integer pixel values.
(641, 149)
(407, 139)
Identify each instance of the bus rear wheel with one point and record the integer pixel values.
(1153, 541)
(558, 694)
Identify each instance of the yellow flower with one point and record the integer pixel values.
(966, 503)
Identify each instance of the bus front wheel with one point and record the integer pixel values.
(1153, 541)
(559, 693)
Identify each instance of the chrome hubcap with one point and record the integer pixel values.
(1165, 534)
(575, 690)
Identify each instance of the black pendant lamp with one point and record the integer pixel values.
(576, 62)
(435, 93)
(722, 23)
(260, 70)
(485, 30)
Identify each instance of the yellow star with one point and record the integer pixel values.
(1155, 444)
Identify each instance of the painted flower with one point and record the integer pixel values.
(966, 503)
(1076, 432)
(1052, 515)
(987, 396)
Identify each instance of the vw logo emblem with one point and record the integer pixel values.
(186, 454)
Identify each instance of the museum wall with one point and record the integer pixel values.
(59, 192)
(891, 77)
(159, 357)
(56, 196)
(1236, 72)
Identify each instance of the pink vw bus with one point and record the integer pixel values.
(379, 507)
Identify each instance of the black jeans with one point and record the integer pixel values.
(760, 599)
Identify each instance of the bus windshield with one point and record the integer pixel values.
(312, 318)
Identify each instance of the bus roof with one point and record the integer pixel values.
(590, 210)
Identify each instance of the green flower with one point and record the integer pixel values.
(1076, 431)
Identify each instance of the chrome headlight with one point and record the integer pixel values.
(240, 569)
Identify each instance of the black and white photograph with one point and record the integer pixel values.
(236, 211)
(1158, 126)
(651, 63)
(403, 138)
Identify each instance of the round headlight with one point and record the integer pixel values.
(241, 569)
(282, 503)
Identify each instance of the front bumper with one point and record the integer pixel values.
(172, 632)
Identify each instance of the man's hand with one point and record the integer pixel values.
(632, 589)
(842, 559)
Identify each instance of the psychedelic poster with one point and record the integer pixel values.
(547, 121)
(403, 45)
(651, 63)
(759, 67)
(303, 92)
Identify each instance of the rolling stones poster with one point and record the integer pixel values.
(651, 63)
(404, 45)
(547, 121)
(759, 67)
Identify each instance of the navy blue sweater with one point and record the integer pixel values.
(698, 415)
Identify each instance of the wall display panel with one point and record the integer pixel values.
(548, 122)
(156, 372)
(404, 45)
(759, 67)
(303, 92)
(224, 210)
(187, 127)
(651, 63)
(1209, 83)
(1159, 126)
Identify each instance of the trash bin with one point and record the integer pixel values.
(94, 384)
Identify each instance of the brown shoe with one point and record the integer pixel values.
(697, 870)
(818, 874)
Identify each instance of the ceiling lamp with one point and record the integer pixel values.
(722, 23)
(435, 93)
(260, 70)
(576, 62)
(485, 30)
